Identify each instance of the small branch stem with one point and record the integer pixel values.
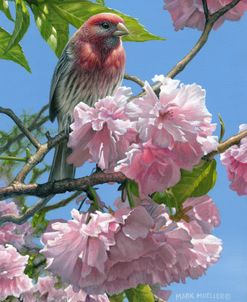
(215, 16)
(21, 135)
(129, 195)
(222, 147)
(210, 21)
(194, 51)
(205, 8)
(61, 203)
(13, 158)
(38, 156)
(21, 126)
(134, 79)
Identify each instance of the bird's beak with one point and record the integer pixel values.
(121, 30)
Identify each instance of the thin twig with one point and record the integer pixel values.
(21, 126)
(38, 156)
(158, 299)
(61, 203)
(215, 16)
(222, 147)
(210, 21)
(134, 79)
(33, 126)
(205, 8)
(39, 114)
(194, 51)
(13, 158)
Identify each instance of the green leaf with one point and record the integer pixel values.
(117, 298)
(140, 294)
(166, 198)
(52, 27)
(15, 53)
(21, 23)
(133, 187)
(39, 222)
(102, 2)
(36, 263)
(193, 183)
(76, 12)
(4, 6)
(222, 128)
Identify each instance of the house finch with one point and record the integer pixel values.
(90, 67)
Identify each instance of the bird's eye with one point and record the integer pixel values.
(105, 25)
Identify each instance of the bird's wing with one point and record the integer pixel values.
(62, 68)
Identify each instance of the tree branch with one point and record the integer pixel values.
(50, 188)
(36, 124)
(194, 51)
(205, 8)
(38, 156)
(222, 147)
(210, 21)
(19, 123)
(60, 186)
(39, 114)
(215, 16)
(158, 299)
(68, 185)
(134, 79)
(61, 203)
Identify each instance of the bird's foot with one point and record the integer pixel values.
(67, 126)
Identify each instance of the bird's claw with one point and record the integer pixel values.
(68, 123)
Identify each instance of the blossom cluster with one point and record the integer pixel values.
(11, 233)
(13, 281)
(49, 289)
(235, 161)
(190, 13)
(108, 253)
(148, 139)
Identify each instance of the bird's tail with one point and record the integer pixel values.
(60, 169)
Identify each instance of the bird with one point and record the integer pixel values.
(90, 67)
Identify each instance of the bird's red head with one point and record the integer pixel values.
(104, 29)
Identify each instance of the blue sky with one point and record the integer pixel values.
(220, 68)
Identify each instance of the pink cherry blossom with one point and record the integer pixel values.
(45, 290)
(202, 211)
(82, 296)
(50, 289)
(13, 281)
(81, 245)
(152, 167)
(195, 251)
(9, 232)
(161, 293)
(101, 134)
(235, 161)
(190, 13)
(177, 120)
(108, 253)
